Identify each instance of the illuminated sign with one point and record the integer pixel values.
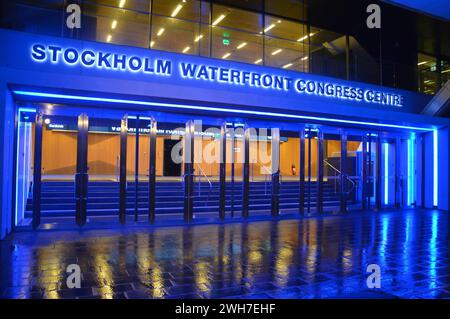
(214, 73)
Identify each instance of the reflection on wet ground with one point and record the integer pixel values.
(310, 258)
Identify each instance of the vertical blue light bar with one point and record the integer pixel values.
(411, 170)
(435, 167)
(386, 173)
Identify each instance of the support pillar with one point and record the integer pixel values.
(123, 170)
(37, 167)
(275, 170)
(222, 169)
(152, 171)
(319, 183)
(301, 204)
(364, 174)
(378, 194)
(246, 171)
(397, 187)
(343, 176)
(188, 153)
(81, 176)
(136, 172)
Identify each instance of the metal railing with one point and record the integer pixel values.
(266, 176)
(200, 173)
(339, 174)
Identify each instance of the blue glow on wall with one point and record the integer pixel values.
(386, 173)
(214, 109)
(435, 167)
(411, 170)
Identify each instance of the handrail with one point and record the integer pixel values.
(265, 175)
(340, 173)
(200, 180)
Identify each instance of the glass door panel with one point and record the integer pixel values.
(103, 166)
(24, 166)
(58, 166)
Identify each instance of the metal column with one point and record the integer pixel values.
(152, 171)
(275, 152)
(301, 204)
(378, 175)
(343, 176)
(397, 172)
(37, 165)
(364, 173)
(245, 171)
(319, 183)
(309, 171)
(136, 172)
(370, 173)
(81, 176)
(232, 169)
(123, 170)
(188, 152)
(222, 169)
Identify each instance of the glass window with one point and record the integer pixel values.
(135, 5)
(285, 54)
(285, 29)
(445, 72)
(295, 9)
(187, 10)
(427, 69)
(175, 35)
(115, 25)
(328, 53)
(237, 46)
(235, 35)
(236, 19)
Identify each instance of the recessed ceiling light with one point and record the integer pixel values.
(114, 24)
(240, 46)
(198, 38)
(152, 43)
(423, 62)
(186, 49)
(108, 38)
(258, 61)
(226, 55)
(160, 32)
(287, 66)
(276, 51)
(122, 3)
(176, 10)
(269, 27)
(220, 18)
(305, 58)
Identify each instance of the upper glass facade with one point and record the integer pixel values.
(271, 33)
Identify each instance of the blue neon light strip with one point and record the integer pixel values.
(215, 109)
(411, 170)
(435, 167)
(386, 173)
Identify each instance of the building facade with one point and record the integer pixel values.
(159, 110)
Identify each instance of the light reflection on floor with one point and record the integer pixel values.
(311, 258)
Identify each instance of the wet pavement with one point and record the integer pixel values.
(323, 257)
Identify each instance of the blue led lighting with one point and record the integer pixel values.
(214, 109)
(411, 170)
(386, 173)
(435, 167)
